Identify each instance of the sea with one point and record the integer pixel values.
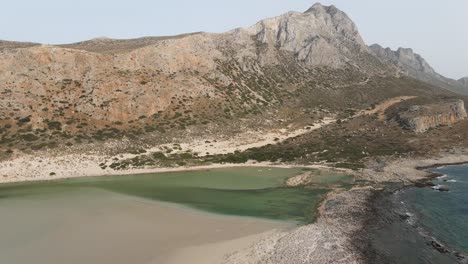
(427, 224)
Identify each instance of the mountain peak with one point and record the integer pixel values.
(318, 7)
(323, 35)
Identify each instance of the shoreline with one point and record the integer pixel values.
(145, 171)
(393, 212)
(343, 215)
(51, 165)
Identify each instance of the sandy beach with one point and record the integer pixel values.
(51, 165)
(95, 226)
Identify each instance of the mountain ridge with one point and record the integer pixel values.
(416, 66)
(291, 68)
(464, 81)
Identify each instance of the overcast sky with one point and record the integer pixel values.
(438, 30)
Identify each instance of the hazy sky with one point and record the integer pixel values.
(438, 30)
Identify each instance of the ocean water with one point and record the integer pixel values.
(423, 224)
(445, 214)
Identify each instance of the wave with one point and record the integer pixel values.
(442, 177)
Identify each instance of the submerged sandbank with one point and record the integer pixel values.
(97, 226)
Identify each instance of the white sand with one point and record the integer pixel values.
(50, 166)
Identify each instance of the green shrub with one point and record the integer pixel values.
(29, 137)
(54, 125)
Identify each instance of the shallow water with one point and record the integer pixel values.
(250, 191)
(125, 219)
(96, 226)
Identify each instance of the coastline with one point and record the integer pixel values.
(51, 165)
(62, 171)
(389, 210)
(340, 233)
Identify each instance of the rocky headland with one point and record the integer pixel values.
(420, 118)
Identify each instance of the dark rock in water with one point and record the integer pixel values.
(440, 188)
(439, 247)
(443, 189)
(425, 183)
(460, 256)
(404, 216)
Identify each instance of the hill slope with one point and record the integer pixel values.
(294, 68)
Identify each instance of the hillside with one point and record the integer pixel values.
(283, 72)
(464, 82)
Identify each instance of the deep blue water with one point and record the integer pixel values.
(410, 221)
(444, 214)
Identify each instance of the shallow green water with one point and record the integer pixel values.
(250, 191)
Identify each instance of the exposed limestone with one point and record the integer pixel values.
(403, 57)
(423, 117)
(320, 36)
(414, 65)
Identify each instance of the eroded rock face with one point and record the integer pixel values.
(423, 117)
(403, 57)
(414, 65)
(323, 35)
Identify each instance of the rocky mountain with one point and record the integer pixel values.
(322, 36)
(464, 82)
(416, 66)
(296, 67)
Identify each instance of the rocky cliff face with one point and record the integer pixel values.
(423, 117)
(322, 36)
(464, 82)
(405, 58)
(414, 65)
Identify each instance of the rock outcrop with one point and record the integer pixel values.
(403, 57)
(420, 118)
(464, 82)
(322, 36)
(414, 65)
